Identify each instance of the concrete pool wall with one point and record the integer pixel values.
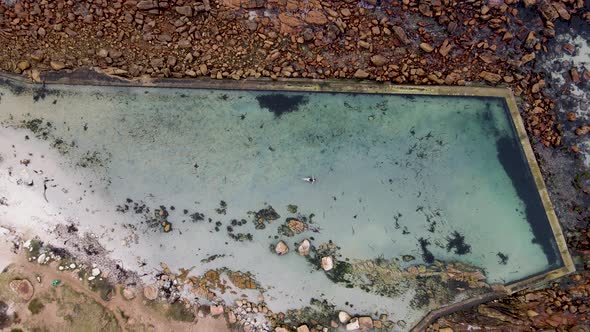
(84, 78)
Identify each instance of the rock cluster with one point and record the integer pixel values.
(561, 307)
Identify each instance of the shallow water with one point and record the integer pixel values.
(432, 177)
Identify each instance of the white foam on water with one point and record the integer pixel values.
(419, 160)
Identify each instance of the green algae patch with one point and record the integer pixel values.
(36, 306)
(178, 311)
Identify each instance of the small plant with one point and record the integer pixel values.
(36, 306)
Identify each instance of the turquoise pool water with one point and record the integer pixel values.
(425, 177)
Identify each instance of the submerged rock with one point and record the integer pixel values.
(327, 263)
(281, 248)
(304, 248)
(296, 225)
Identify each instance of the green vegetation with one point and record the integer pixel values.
(178, 311)
(36, 306)
(103, 288)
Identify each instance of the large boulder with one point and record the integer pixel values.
(23, 288)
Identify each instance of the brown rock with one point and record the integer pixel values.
(538, 86)
(331, 12)
(157, 62)
(23, 65)
(488, 57)
(575, 75)
(571, 116)
(23, 288)
(569, 48)
(490, 77)
(379, 60)
(316, 17)
(401, 34)
(529, 3)
(445, 48)
(103, 53)
(57, 65)
(583, 130)
(562, 10)
(452, 78)
(345, 12)
(527, 58)
(366, 323)
(296, 226)
(426, 47)
(303, 328)
(360, 74)
(364, 44)
(231, 317)
(184, 10)
(36, 75)
(115, 54)
(216, 310)
(146, 5)
(547, 10)
(128, 293)
(203, 69)
(38, 55)
(290, 20)
(150, 292)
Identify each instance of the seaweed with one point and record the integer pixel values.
(222, 209)
(427, 256)
(457, 243)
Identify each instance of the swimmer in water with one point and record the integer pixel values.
(310, 179)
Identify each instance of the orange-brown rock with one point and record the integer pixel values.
(490, 77)
(316, 17)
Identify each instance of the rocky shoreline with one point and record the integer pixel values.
(496, 42)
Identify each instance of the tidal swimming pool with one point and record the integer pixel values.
(212, 179)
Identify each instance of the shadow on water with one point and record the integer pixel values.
(279, 103)
(511, 158)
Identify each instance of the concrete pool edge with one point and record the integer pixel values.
(84, 77)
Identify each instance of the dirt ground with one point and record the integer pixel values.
(72, 306)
